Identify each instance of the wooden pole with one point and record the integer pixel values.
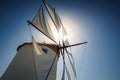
(72, 45)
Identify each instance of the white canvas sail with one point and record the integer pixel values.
(45, 62)
(53, 15)
(57, 22)
(40, 22)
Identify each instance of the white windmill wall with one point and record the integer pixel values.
(22, 66)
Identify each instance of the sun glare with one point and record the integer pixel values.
(69, 26)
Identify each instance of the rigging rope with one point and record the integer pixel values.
(30, 32)
(63, 75)
(73, 67)
(65, 67)
(82, 60)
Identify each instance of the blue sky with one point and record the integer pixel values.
(95, 21)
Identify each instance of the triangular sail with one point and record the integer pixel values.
(57, 21)
(52, 14)
(40, 22)
(45, 59)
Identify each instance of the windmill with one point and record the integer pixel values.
(38, 61)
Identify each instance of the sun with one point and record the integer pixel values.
(69, 27)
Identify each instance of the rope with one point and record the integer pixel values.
(73, 67)
(63, 75)
(65, 67)
(30, 32)
(83, 55)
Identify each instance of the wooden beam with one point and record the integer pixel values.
(72, 45)
(41, 31)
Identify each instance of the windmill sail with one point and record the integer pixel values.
(40, 22)
(57, 22)
(52, 14)
(45, 58)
